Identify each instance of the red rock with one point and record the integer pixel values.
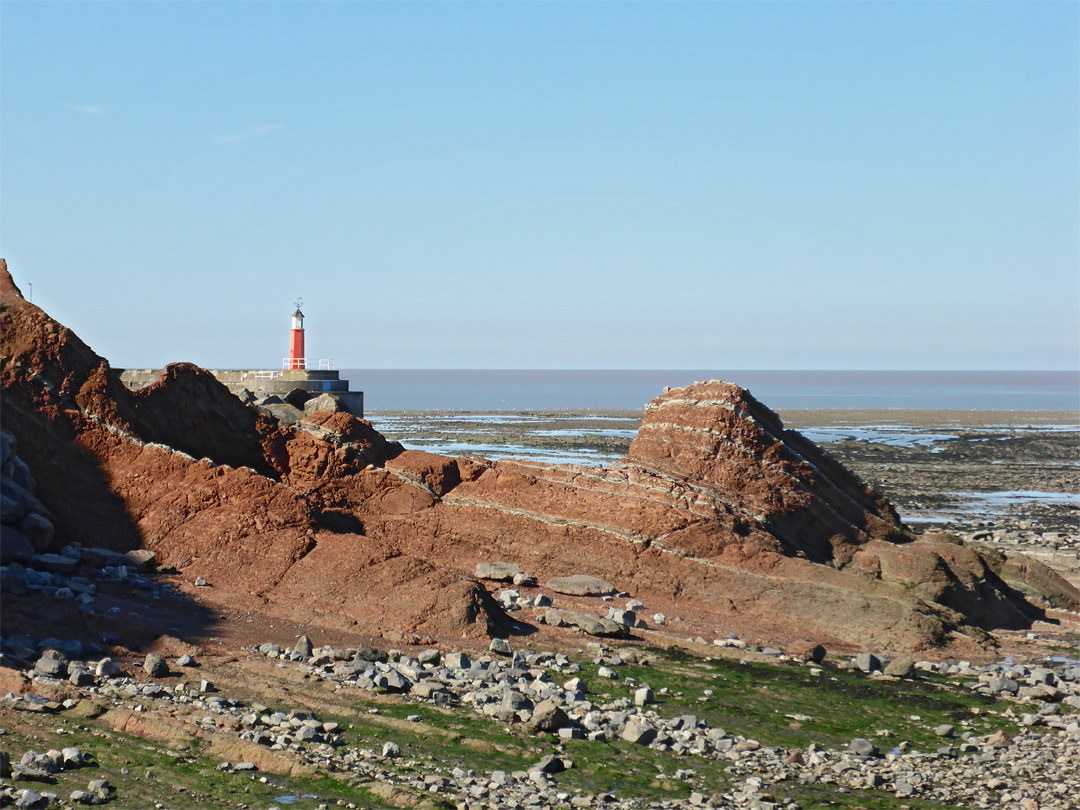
(718, 515)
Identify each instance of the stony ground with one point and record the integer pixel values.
(653, 721)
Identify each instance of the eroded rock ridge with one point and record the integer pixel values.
(718, 516)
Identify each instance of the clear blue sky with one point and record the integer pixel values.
(549, 185)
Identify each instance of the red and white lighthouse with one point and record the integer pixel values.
(297, 358)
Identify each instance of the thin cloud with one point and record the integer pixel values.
(247, 134)
(88, 109)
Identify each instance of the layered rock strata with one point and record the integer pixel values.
(718, 516)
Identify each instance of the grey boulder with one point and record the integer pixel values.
(581, 585)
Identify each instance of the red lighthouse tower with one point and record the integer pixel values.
(297, 358)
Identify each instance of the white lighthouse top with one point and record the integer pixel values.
(298, 316)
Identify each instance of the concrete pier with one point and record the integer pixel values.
(258, 381)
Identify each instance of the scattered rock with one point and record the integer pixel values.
(643, 696)
(638, 732)
(863, 747)
(549, 764)
(581, 585)
(155, 666)
(548, 716)
(303, 647)
(868, 662)
(498, 571)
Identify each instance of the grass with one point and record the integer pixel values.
(776, 704)
(788, 706)
(177, 780)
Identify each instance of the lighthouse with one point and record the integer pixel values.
(297, 358)
(296, 381)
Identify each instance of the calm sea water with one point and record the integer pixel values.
(498, 389)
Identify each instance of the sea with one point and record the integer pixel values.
(576, 389)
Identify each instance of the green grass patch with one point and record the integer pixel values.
(788, 706)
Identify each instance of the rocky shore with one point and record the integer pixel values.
(1018, 746)
(724, 615)
(943, 469)
(1009, 479)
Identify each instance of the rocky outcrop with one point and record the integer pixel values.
(27, 524)
(185, 410)
(736, 452)
(719, 518)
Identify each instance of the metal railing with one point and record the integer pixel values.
(301, 364)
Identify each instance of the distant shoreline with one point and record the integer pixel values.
(552, 390)
(797, 417)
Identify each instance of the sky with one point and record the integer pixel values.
(549, 184)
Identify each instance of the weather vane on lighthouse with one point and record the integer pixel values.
(297, 358)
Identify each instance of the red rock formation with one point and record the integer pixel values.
(718, 517)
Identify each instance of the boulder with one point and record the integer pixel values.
(11, 511)
(155, 666)
(284, 414)
(38, 529)
(863, 747)
(141, 558)
(457, 661)
(54, 563)
(581, 585)
(53, 667)
(638, 732)
(298, 398)
(902, 667)
(15, 546)
(365, 653)
(72, 758)
(594, 625)
(31, 799)
(549, 764)
(552, 618)
(81, 677)
(303, 647)
(868, 662)
(548, 716)
(497, 571)
(325, 402)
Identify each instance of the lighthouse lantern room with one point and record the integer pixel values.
(297, 358)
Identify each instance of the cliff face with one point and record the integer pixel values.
(718, 517)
